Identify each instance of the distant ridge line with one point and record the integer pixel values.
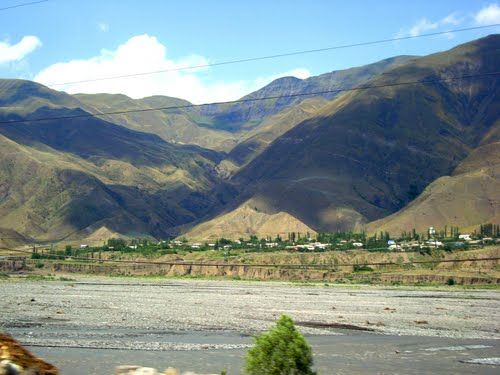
(88, 115)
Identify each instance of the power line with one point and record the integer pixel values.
(268, 57)
(186, 106)
(24, 4)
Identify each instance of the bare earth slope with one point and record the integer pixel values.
(247, 220)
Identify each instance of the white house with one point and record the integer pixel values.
(434, 243)
(357, 244)
(465, 237)
(271, 244)
(306, 247)
(320, 245)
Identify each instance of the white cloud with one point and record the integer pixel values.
(425, 25)
(488, 15)
(16, 52)
(104, 27)
(452, 19)
(144, 53)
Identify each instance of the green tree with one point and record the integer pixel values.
(281, 351)
(224, 241)
(68, 250)
(117, 243)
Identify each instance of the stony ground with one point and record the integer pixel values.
(214, 316)
(248, 306)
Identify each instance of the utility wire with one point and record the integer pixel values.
(24, 4)
(249, 100)
(268, 57)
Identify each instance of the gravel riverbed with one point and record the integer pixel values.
(99, 314)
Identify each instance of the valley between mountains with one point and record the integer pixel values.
(417, 144)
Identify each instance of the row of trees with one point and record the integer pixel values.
(341, 240)
(489, 230)
(336, 241)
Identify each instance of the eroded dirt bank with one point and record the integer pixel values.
(337, 267)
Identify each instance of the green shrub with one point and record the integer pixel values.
(450, 281)
(361, 268)
(281, 351)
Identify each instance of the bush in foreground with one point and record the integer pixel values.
(281, 351)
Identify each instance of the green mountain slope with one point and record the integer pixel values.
(184, 126)
(330, 162)
(245, 116)
(373, 154)
(58, 177)
(222, 127)
(466, 199)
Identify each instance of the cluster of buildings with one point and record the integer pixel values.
(462, 241)
(314, 245)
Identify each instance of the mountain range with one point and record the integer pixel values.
(395, 145)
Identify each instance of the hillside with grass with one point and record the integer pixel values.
(468, 198)
(63, 176)
(369, 153)
(248, 115)
(416, 146)
(182, 126)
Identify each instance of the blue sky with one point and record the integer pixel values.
(70, 40)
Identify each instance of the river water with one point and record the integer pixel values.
(348, 353)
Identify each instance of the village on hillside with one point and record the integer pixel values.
(446, 239)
